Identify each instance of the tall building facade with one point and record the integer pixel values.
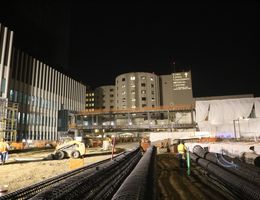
(176, 89)
(40, 92)
(137, 90)
(105, 97)
(6, 44)
(90, 99)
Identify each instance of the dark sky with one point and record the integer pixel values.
(95, 41)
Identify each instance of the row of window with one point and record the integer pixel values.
(133, 85)
(35, 119)
(111, 107)
(90, 104)
(20, 97)
(133, 92)
(91, 99)
(132, 78)
(90, 95)
(134, 106)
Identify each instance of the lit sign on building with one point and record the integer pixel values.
(181, 81)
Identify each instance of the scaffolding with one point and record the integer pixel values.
(8, 119)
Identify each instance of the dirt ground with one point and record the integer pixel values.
(19, 174)
(174, 183)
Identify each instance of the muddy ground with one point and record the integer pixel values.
(174, 183)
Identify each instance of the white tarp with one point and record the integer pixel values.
(227, 110)
(257, 107)
(216, 112)
(202, 108)
(229, 117)
(156, 136)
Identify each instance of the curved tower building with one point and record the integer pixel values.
(137, 90)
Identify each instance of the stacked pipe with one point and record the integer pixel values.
(102, 181)
(247, 172)
(140, 184)
(236, 182)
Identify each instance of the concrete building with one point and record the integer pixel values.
(6, 44)
(90, 99)
(39, 89)
(105, 97)
(137, 90)
(176, 89)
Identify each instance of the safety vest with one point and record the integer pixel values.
(3, 147)
(181, 148)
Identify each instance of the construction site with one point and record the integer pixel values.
(112, 155)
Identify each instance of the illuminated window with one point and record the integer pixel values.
(123, 86)
(132, 78)
(123, 93)
(87, 95)
(92, 94)
(151, 78)
(133, 99)
(132, 92)
(143, 91)
(133, 106)
(143, 77)
(92, 99)
(132, 85)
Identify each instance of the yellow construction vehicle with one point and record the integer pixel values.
(69, 148)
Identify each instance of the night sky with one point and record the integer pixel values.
(94, 41)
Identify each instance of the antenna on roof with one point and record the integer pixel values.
(173, 66)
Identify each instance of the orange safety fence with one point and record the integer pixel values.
(17, 145)
(208, 139)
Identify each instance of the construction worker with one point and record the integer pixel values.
(181, 153)
(4, 147)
